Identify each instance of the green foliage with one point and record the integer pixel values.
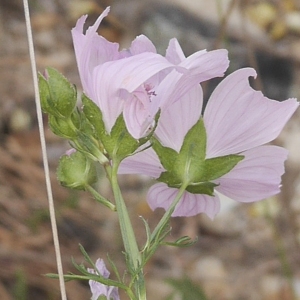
(58, 95)
(184, 241)
(62, 127)
(186, 289)
(37, 217)
(118, 143)
(85, 275)
(85, 128)
(20, 287)
(190, 165)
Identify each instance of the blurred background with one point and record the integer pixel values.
(250, 251)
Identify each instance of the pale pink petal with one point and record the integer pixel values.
(174, 53)
(91, 49)
(141, 44)
(256, 177)
(238, 118)
(136, 116)
(114, 80)
(200, 66)
(209, 63)
(144, 163)
(177, 119)
(160, 195)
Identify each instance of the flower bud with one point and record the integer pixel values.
(76, 171)
(62, 127)
(58, 95)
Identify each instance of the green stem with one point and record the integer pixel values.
(166, 217)
(159, 233)
(100, 199)
(133, 255)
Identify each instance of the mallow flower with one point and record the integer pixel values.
(98, 289)
(137, 81)
(236, 124)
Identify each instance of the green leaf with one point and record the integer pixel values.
(148, 234)
(114, 267)
(100, 198)
(86, 256)
(184, 241)
(187, 289)
(62, 95)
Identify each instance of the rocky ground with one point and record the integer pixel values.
(248, 252)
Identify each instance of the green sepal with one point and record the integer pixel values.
(76, 171)
(192, 153)
(62, 127)
(58, 95)
(216, 167)
(86, 127)
(45, 96)
(206, 188)
(118, 143)
(94, 115)
(166, 155)
(183, 166)
(190, 165)
(91, 147)
(121, 144)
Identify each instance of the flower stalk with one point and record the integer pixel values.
(133, 255)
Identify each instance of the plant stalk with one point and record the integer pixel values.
(133, 255)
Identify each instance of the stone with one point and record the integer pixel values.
(210, 272)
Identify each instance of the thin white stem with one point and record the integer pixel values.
(44, 152)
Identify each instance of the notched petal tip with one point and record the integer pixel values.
(243, 73)
(245, 116)
(79, 24)
(92, 29)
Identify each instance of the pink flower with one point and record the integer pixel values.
(138, 81)
(98, 289)
(238, 120)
